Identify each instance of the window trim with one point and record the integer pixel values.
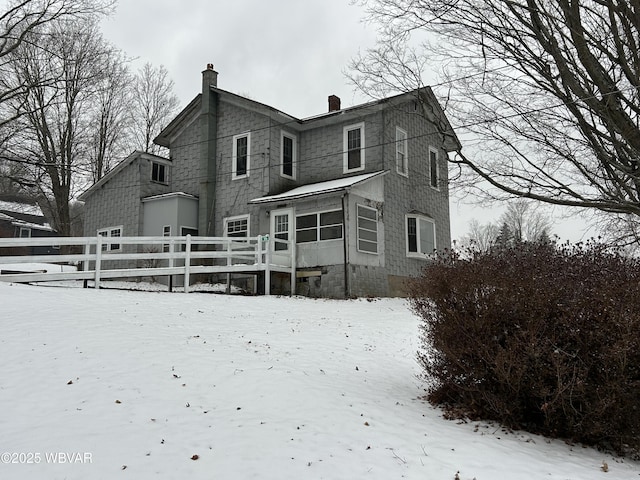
(236, 218)
(402, 168)
(345, 146)
(418, 218)
(108, 246)
(25, 229)
(165, 170)
(358, 228)
(166, 232)
(234, 161)
(318, 227)
(294, 154)
(437, 177)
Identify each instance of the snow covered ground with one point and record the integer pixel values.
(116, 384)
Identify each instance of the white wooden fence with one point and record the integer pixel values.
(127, 257)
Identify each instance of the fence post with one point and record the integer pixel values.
(293, 266)
(267, 268)
(187, 263)
(171, 250)
(85, 262)
(98, 263)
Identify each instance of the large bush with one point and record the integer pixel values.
(537, 336)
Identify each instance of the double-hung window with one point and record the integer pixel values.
(402, 161)
(241, 155)
(421, 235)
(159, 173)
(434, 176)
(353, 147)
(166, 232)
(319, 226)
(288, 155)
(236, 226)
(367, 229)
(110, 232)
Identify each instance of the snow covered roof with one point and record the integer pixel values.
(169, 195)
(34, 226)
(320, 188)
(24, 208)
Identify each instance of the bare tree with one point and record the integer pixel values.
(480, 236)
(525, 222)
(522, 221)
(57, 117)
(153, 105)
(18, 21)
(111, 117)
(546, 92)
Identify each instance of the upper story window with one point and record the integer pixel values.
(241, 155)
(236, 226)
(353, 148)
(25, 232)
(288, 155)
(421, 235)
(402, 161)
(367, 229)
(434, 175)
(110, 232)
(319, 226)
(159, 173)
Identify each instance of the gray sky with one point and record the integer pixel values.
(289, 54)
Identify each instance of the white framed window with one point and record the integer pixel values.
(166, 232)
(241, 155)
(236, 226)
(159, 173)
(353, 148)
(421, 235)
(25, 232)
(402, 160)
(320, 226)
(434, 175)
(288, 154)
(111, 232)
(367, 229)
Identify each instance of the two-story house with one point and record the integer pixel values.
(362, 191)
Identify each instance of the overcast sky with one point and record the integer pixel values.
(289, 54)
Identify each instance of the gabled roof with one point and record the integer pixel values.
(20, 207)
(119, 167)
(423, 95)
(321, 188)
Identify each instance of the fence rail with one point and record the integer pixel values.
(101, 258)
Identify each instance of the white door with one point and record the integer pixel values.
(281, 236)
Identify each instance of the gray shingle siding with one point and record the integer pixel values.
(203, 167)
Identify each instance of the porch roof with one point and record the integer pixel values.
(321, 188)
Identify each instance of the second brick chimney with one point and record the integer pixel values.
(334, 103)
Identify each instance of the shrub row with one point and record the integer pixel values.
(538, 337)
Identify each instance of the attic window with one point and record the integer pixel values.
(159, 173)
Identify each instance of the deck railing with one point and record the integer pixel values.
(99, 258)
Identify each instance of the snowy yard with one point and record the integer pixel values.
(141, 385)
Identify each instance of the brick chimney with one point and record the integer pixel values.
(209, 77)
(334, 103)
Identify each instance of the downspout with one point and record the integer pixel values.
(345, 245)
